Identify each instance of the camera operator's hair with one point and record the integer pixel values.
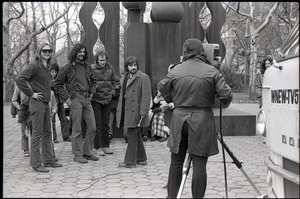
(131, 60)
(192, 47)
(75, 50)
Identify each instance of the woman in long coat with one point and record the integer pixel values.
(132, 111)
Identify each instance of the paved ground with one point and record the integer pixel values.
(104, 179)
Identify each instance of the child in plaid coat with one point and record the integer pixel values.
(159, 129)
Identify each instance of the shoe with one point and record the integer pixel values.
(80, 159)
(107, 150)
(56, 141)
(53, 164)
(26, 153)
(99, 152)
(91, 157)
(67, 139)
(41, 169)
(145, 138)
(126, 139)
(122, 164)
(162, 139)
(55, 159)
(142, 162)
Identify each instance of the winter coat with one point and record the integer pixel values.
(66, 76)
(194, 85)
(106, 83)
(137, 101)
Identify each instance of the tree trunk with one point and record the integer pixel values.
(7, 94)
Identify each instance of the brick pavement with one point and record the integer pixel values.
(104, 179)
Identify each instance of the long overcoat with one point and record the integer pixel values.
(137, 101)
(194, 85)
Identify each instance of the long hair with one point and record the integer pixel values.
(75, 50)
(263, 67)
(131, 60)
(38, 52)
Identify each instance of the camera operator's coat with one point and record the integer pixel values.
(194, 85)
(137, 101)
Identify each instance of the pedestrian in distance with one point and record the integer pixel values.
(132, 111)
(266, 63)
(101, 101)
(194, 84)
(37, 74)
(75, 84)
(61, 113)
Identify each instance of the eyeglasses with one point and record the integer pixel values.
(47, 50)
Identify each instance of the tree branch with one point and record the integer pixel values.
(6, 23)
(268, 18)
(34, 34)
(237, 10)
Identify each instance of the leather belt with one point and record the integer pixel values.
(84, 94)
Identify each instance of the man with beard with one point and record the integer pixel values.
(132, 111)
(81, 85)
(37, 75)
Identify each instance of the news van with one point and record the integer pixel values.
(278, 119)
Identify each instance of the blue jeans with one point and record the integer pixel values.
(102, 116)
(41, 132)
(199, 178)
(82, 109)
(135, 151)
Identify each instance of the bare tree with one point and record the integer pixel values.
(9, 59)
(255, 25)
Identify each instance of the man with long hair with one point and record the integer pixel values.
(37, 75)
(78, 79)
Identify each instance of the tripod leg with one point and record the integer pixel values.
(185, 172)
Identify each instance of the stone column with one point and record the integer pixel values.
(135, 33)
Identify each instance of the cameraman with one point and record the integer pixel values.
(194, 84)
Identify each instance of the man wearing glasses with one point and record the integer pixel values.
(37, 74)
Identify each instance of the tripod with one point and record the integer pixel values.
(187, 163)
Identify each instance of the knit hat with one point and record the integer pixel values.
(192, 47)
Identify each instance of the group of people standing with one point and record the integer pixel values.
(88, 90)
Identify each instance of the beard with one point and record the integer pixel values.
(132, 71)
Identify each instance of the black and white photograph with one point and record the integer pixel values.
(170, 99)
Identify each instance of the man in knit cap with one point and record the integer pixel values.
(194, 84)
(77, 77)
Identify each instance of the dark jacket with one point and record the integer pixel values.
(106, 83)
(137, 101)
(194, 85)
(35, 78)
(38, 78)
(66, 76)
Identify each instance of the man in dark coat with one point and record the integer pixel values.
(101, 102)
(132, 111)
(194, 84)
